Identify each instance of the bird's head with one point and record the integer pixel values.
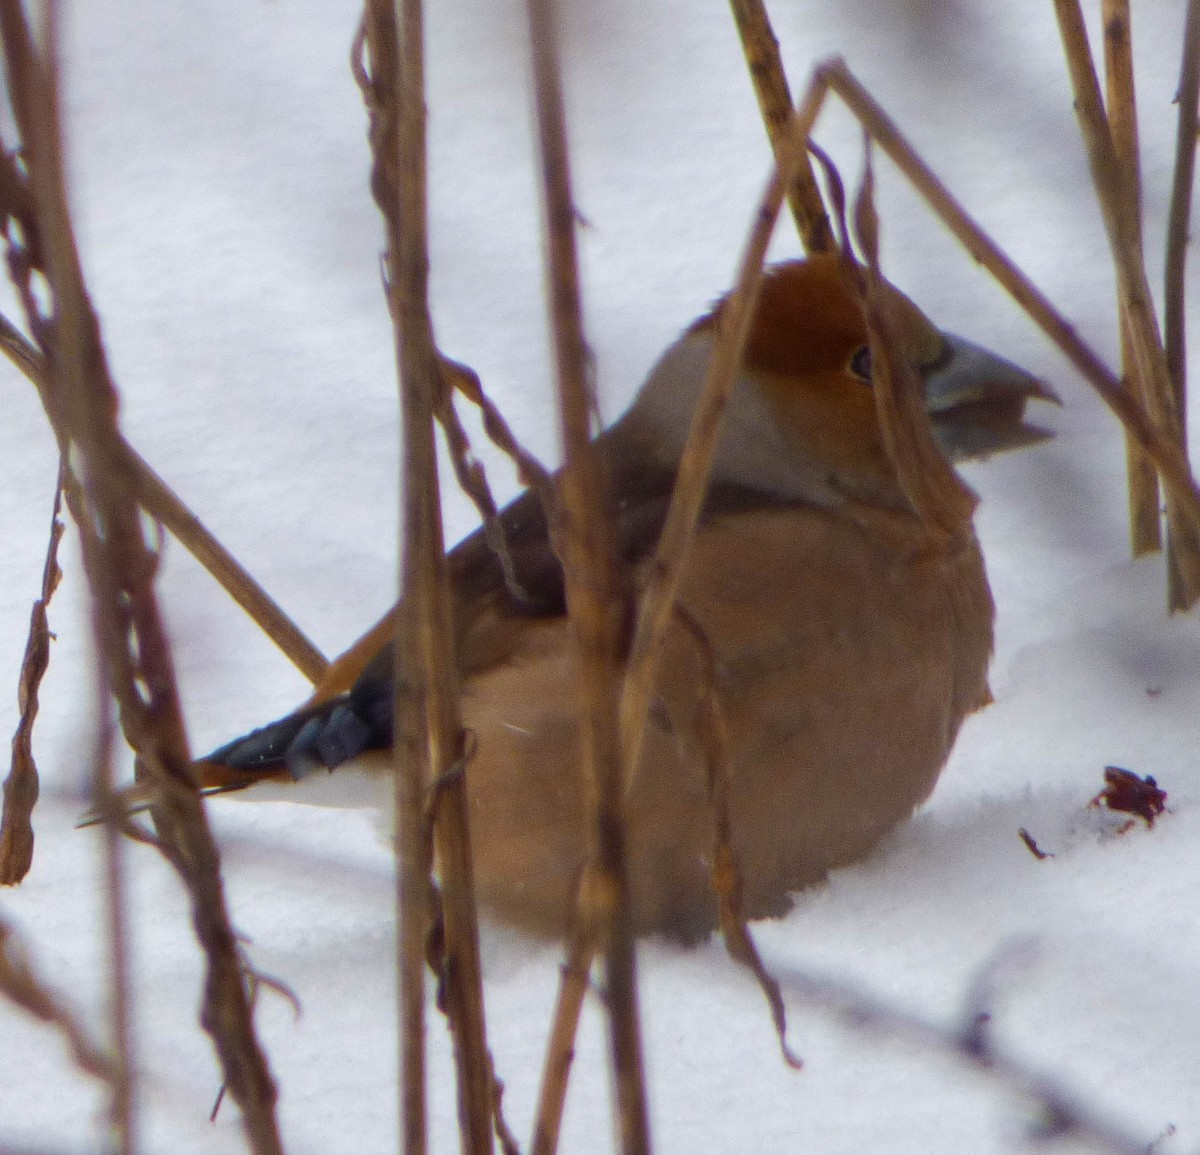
(802, 419)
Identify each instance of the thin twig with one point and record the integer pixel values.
(504, 1133)
(712, 733)
(531, 472)
(594, 595)
(691, 484)
(1121, 96)
(380, 81)
(1136, 303)
(934, 489)
(1179, 217)
(428, 722)
(165, 506)
(20, 984)
(469, 471)
(658, 601)
(1145, 528)
(123, 1106)
(135, 662)
(765, 64)
(560, 1046)
(21, 785)
(1167, 457)
(256, 981)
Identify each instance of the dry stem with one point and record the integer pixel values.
(560, 1047)
(1145, 531)
(135, 664)
(428, 727)
(469, 471)
(123, 1107)
(658, 601)
(413, 896)
(594, 599)
(19, 983)
(937, 494)
(761, 50)
(1138, 320)
(713, 734)
(692, 482)
(1187, 97)
(1168, 458)
(531, 471)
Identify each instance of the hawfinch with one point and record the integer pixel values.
(849, 645)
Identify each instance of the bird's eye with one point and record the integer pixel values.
(860, 363)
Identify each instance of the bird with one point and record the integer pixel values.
(844, 642)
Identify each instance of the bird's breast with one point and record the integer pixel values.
(843, 654)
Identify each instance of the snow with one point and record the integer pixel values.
(218, 171)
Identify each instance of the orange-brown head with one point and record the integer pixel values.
(802, 419)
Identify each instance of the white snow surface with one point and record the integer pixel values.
(218, 172)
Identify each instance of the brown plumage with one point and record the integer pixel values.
(850, 641)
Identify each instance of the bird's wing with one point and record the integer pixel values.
(491, 607)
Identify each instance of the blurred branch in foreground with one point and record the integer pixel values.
(134, 667)
(593, 587)
(430, 750)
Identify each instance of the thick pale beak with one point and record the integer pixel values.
(976, 401)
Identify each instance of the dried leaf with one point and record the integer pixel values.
(21, 785)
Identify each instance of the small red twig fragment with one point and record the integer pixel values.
(1034, 848)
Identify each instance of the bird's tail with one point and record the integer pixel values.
(318, 736)
(315, 737)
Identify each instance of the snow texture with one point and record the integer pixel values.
(218, 171)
